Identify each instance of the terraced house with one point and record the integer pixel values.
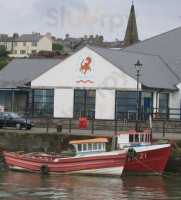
(30, 44)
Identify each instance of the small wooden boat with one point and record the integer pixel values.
(91, 158)
(143, 155)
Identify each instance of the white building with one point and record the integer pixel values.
(95, 83)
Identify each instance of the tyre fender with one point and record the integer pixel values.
(131, 153)
(44, 169)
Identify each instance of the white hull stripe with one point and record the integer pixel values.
(116, 171)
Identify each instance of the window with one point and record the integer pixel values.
(130, 138)
(15, 44)
(99, 145)
(33, 52)
(24, 44)
(146, 105)
(94, 146)
(43, 102)
(126, 104)
(84, 103)
(136, 138)
(89, 146)
(22, 51)
(163, 105)
(79, 147)
(34, 44)
(15, 51)
(141, 138)
(30, 103)
(84, 147)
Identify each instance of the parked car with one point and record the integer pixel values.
(11, 119)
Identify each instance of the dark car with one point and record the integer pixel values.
(11, 119)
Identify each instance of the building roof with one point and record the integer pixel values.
(19, 72)
(166, 45)
(7, 39)
(29, 38)
(154, 73)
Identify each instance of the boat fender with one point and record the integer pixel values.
(44, 169)
(131, 153)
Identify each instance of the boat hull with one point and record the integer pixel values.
(103, 164)
(149, 159)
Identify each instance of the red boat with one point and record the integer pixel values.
(143, 155)
(90, 158)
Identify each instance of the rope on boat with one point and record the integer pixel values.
(177, 146)
(156, 172)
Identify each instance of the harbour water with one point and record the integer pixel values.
(34, 186)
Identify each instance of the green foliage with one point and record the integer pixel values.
(40, 53)
(3, 64)
(57, 47)
(3, 52)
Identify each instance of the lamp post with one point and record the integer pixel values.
(138, 67)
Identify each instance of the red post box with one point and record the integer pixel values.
(82, 122)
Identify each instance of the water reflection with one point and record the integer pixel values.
(144, 187)
(20, 185)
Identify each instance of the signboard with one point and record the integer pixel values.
(85, 70)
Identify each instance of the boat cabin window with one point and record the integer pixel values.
(84, 147)
(91, 146)
(94, 146)
(141, 138)
(130, 138)
(136, 138)
(79, 147)
(147, 138)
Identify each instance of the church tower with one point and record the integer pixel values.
(131, 35)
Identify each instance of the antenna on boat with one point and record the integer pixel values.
(150, 120)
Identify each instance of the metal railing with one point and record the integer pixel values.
(114, 126)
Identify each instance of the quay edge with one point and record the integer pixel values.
(13, 140)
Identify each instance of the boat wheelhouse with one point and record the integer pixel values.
(133, 138)
(90, 146)
(143, 155)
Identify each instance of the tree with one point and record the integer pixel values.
(3, 52)
(57, 47)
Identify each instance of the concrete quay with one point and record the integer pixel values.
(102, 133)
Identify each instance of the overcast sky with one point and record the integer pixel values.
(84, 17)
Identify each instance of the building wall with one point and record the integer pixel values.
(45, 44)
(103, 74)
(105, 104)
(175, 102)
(63, 103)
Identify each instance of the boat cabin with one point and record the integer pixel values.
(133, 138)
(89, 146)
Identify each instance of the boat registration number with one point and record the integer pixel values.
(139, 156)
